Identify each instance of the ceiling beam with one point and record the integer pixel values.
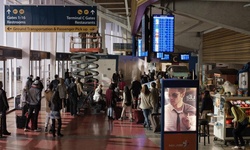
(111, 3)
(127, 14)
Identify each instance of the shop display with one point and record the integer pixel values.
(223, 124)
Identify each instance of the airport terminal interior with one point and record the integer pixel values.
(145, 40)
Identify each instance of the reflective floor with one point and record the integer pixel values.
(89, 132)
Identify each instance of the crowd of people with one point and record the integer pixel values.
(135, 96)
(61, 95)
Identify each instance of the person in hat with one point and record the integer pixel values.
(34, 101)
(29, 82)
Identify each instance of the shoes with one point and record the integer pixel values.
(26, 129)
(46, 129)
(60, 135)
(120, 119)
(236, 147)
(37, 130)
(242, 147)
(110, 118)
(131, 120)
(6, 133)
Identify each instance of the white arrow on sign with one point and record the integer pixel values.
(92, 12)
(8, 11)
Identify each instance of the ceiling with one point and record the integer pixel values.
(192, 17)
(190, 22)
(116, 6)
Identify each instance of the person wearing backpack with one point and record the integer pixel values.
(126, 104)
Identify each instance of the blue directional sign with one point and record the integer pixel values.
(29, 18)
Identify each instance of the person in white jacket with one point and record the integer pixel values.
(146, 104)
(98, 94)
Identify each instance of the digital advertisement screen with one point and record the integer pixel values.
(163, 33)
(184, 57)
(179, 126)
(180, 109)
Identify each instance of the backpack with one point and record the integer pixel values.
(55, 84)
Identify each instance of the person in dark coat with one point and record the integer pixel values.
(135, 90)
(4, 106)
(55, 107)
(207, 105)
(72, 92)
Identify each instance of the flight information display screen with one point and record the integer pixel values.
(140, 52)
(184, 57)
(165, 57)
(163, 33)
(159, 55)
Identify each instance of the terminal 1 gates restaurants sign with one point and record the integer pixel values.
(31, 18)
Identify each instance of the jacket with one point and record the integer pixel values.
(3, 101)
(34, 97)
(55, 103)
(48, 95)
(146, 101)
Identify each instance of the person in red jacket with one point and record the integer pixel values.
(110, 100)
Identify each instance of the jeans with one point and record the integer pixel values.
(237, 134)
(110, 112)
(146, 113)
(32, 108)
(47, 119)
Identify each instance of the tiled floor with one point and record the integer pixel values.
(90, 132)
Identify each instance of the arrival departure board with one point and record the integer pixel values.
(163, 33)
(140, 52)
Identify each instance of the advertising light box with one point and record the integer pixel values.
(179, 114)
(163, 33)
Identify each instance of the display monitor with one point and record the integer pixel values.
(139, 47)
(159, 55)
(184, 57)
(165, 57)
(163, 33)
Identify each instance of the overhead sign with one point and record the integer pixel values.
(29, 18)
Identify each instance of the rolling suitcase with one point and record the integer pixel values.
(155, 119)
(20, 121)
(138, 115)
